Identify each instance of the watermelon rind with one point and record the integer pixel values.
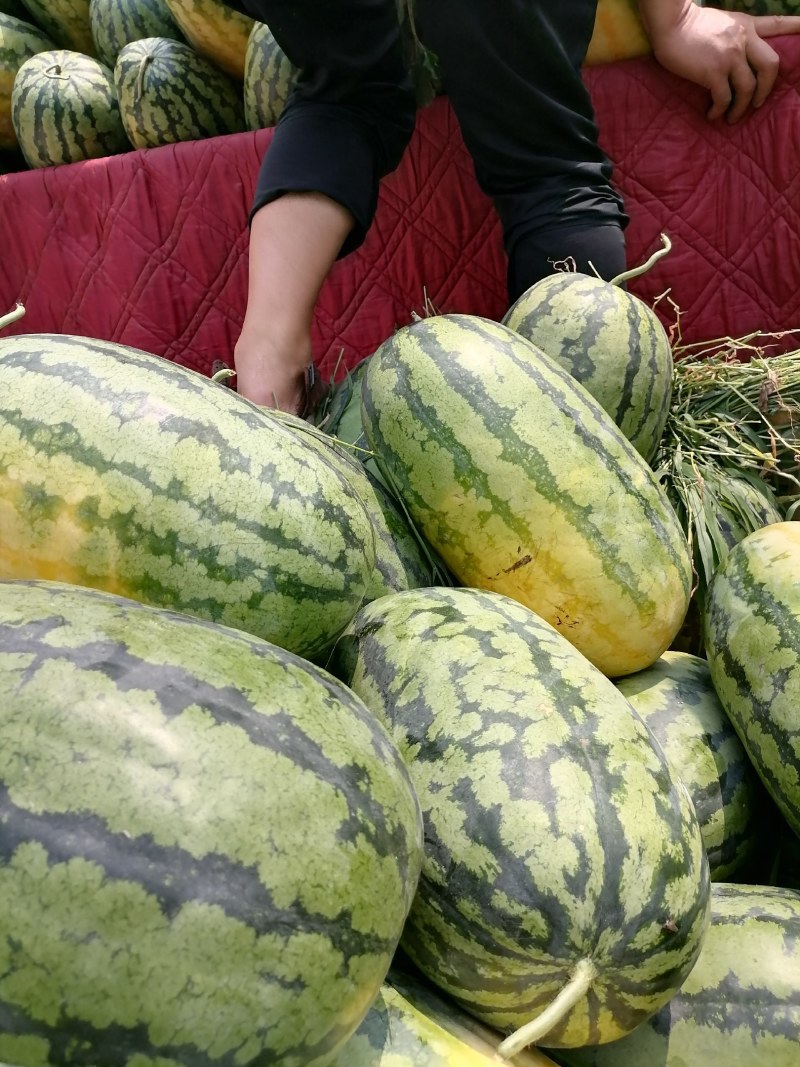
(115, 23)
(19, 41)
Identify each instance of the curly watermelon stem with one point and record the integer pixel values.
(12, 316)
(643, 268)
(576, 988)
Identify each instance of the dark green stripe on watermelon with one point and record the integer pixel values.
(207, 846)
(123, 471)
(168, 93)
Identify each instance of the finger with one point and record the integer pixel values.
(765, 64)
(721, 97)
(776, 25)
(743, 83)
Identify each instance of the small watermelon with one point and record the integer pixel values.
(64, 108)
(168, 93)
(19, 41)
(269, 77)
(116, 23)
(610, 341)
(66, 21)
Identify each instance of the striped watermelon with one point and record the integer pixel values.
(739, 1007)
(64, 108)
(269, 77)
(215, 31)
(208, 847)
(609, 341)
(678, 702)
(19, 41)
(561, 859)
(123, 471)
(399, 560)
(524, 486)
(116, 23)
(409, 1026)
(66, 21)
(752, 638)
(168, 93)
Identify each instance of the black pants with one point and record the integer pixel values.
(511, 69)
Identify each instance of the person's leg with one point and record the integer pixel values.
(511, 69)
(346, 125)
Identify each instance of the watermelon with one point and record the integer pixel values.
(739, 1006)
(525, 486)
(608, 340)
(269, 77)
(66, 21)
(19, 41)
(115, 23)
(752, 637)
(64, 108)
(678, 702)
(208, 847)
(215, 31)
(123, 471)
(618, 33)
(409, 1026)
(168, 93)
(562, 860)
(399, 560)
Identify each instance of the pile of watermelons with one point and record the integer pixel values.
(83, 79)
(368, 745)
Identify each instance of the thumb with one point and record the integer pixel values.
(776, 25)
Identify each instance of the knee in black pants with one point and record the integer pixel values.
(588, 249)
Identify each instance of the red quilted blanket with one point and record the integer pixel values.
(149, 248)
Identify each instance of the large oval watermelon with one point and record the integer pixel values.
(525, 486)
(64, 108)
(215, 30)
(208, 846)
(123, 471)
(739, 1006)
(752, 638)
(560, 854)
(269, 77)
(168, 93)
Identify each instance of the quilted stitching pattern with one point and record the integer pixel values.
(149, 248)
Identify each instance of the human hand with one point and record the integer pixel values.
(724, 51)
(272, 376)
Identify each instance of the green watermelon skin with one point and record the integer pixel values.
(608, 340)
(19, 41)
(120, 470)
(115, 23)
(751, 631)
(553, 830)
(524, 486)
(169, 93)
(269, 77)
(678, 703)
(64, 109)
(739, 1006)
(66, 21)
(208, 846)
